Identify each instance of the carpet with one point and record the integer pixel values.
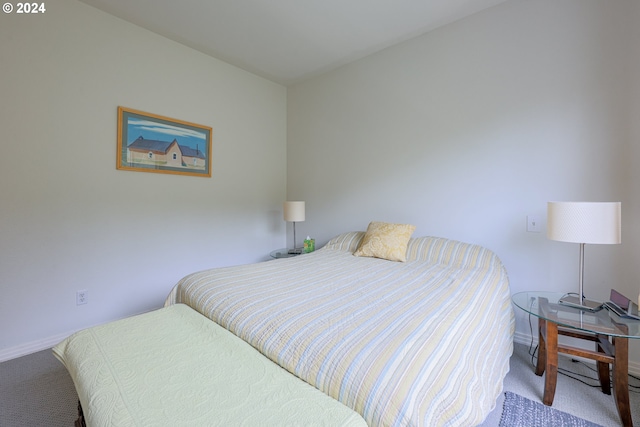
(36, 390)
(520, 411)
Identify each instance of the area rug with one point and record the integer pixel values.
(520, 411)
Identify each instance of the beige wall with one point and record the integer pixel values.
(69, 220)
(467, 130)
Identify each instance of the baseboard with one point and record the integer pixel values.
(31, 347)
(521, 338)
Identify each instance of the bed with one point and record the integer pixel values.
(425, 342)
(416, 335)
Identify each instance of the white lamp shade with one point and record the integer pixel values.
(584, 222)
(294, 211)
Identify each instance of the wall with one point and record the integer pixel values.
(69, 220)
(631, 267)
(633, 150)
(470, 128)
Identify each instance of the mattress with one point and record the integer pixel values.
(421, 343)
(174, 367)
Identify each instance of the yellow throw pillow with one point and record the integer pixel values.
(386, 241)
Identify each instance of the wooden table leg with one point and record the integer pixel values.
(542, 349)
(603, 371)
(621, 379)
(551, 365)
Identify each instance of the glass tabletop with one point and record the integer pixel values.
(283, 253)
(545, 306)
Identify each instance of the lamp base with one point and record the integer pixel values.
(295, 251)
(587, 305)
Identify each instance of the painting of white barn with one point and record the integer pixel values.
(152, 143)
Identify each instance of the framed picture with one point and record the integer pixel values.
(151, 143)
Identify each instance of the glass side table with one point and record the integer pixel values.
(283, 253)
(608, 331)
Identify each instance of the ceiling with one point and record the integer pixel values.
(287, 41)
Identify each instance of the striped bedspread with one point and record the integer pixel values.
(421, 343)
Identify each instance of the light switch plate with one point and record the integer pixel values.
(533, 224)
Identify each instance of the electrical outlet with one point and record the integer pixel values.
(82, 297)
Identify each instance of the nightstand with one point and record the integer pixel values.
(283, 253)
(609, 332)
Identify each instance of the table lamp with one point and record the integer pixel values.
(294, 212)
(584, 222)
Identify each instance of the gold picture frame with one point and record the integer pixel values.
(152, 143)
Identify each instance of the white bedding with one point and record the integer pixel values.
(421, 343)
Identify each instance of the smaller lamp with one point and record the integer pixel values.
(294, 212)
